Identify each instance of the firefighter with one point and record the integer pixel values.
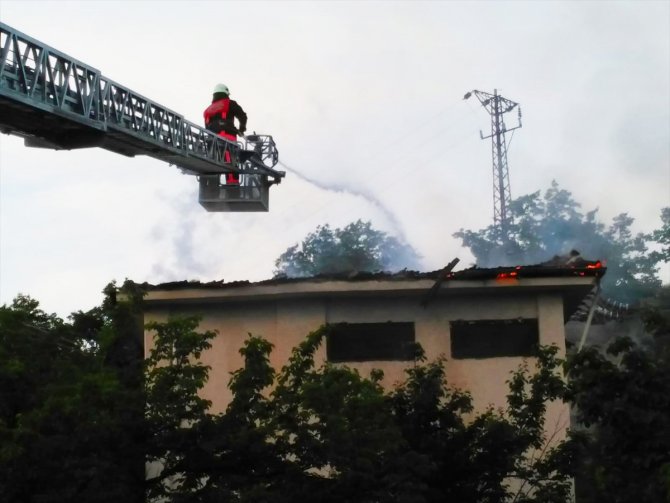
(220, 118)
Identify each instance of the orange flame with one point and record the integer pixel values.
(507, 275)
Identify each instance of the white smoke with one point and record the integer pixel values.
(343, 188)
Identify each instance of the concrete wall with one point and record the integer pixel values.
(285, 322)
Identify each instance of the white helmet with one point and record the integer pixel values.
(221, 88)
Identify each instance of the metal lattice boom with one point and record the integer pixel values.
(55, 101)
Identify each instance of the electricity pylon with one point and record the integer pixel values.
(496, 106)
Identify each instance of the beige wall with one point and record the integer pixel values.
(285, 322)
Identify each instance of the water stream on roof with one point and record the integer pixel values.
(340, 187)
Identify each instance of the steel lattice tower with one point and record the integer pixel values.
(496, 106)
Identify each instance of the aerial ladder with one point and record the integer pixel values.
(54, 101)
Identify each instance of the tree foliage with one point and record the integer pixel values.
(661, 237)
(356, 247)
(542, 226)
(623, 396)
(328, 434)
(71, 425)
(176, 414)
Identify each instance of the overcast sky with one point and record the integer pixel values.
(363, 98)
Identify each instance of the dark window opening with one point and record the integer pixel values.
(494, 338)
(359, 342)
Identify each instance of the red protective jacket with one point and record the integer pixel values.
(220, 118)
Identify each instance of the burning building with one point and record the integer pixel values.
(484, 321)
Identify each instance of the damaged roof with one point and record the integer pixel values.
(584, 268)
(573, 281)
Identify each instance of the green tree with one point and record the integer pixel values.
(335, 432)
(70, 415)
(243, 460)
(176, 415)
(475, 459)
(623, 398)
(662, 237)
(655, 313)
(544, 226)
(356, 247)
(326, 433)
